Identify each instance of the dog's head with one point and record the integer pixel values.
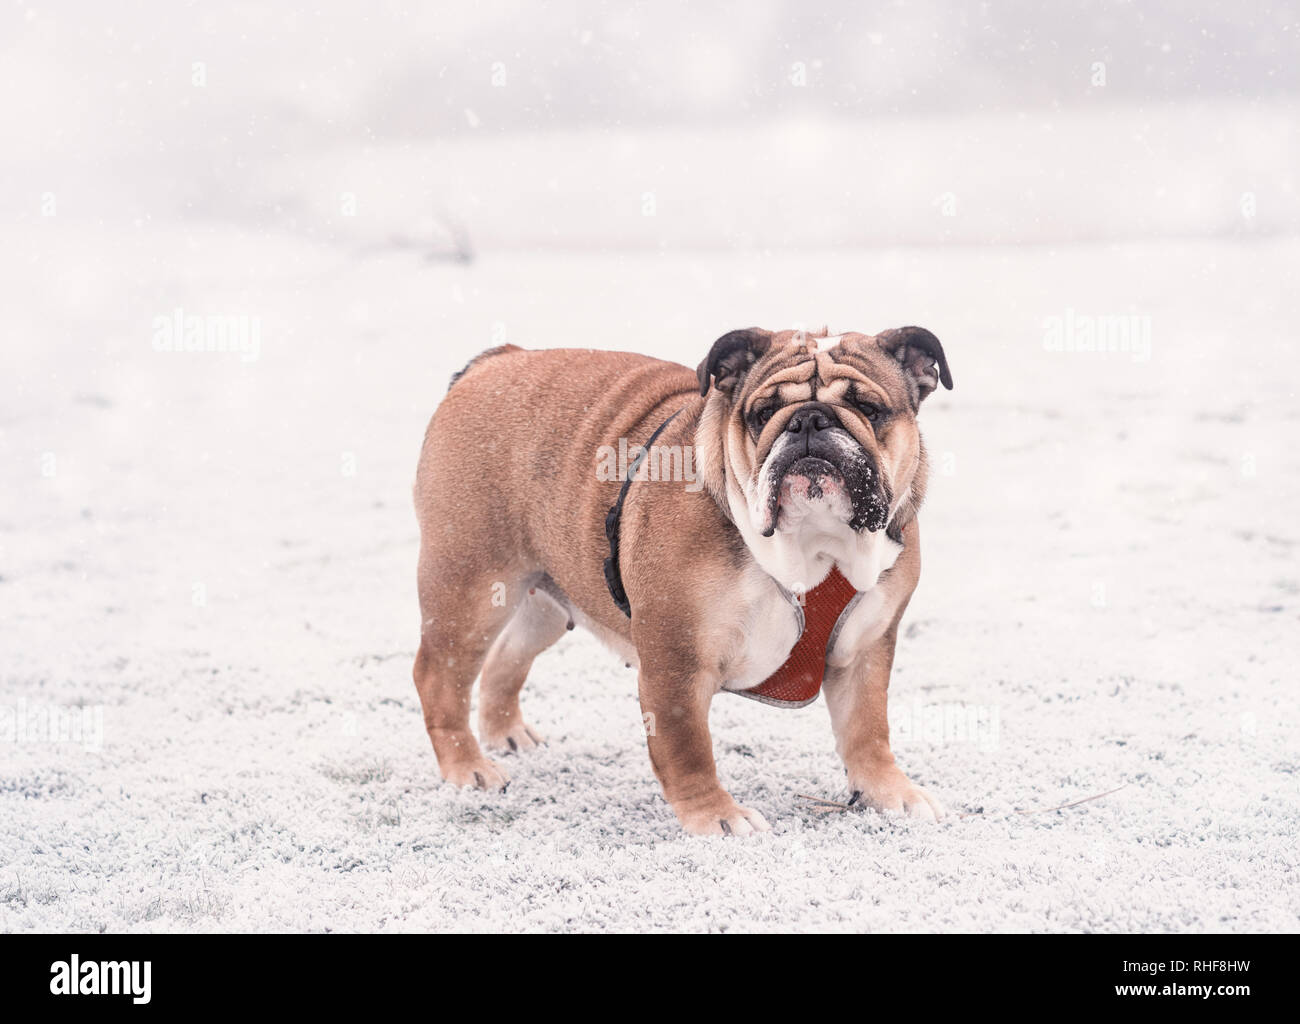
(818, 432)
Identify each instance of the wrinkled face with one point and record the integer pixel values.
(821, 430)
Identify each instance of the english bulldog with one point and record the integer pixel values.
(773, 557)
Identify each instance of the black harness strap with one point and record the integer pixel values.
(613, 575)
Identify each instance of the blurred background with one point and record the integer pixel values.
(598, 124)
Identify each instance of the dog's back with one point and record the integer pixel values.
(490, 446)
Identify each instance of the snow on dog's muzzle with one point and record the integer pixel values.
(818, 461)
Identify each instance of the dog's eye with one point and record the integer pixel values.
(871, 411)
(764, 414)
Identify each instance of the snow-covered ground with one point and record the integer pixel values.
(212, 558)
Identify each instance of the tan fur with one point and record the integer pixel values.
(512, 517)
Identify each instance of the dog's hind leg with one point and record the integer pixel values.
(539, 621)
(461, 619)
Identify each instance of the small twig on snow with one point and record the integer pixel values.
(832, 806)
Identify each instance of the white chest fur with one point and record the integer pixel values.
(811, 541)
(770, 624)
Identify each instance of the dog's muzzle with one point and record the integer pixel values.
(815, 445)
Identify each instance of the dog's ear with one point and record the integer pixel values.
(921, 356)
(732, 355)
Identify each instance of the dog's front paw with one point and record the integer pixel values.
(887, 789)
(480, 774)
(513, 739)
(720, 815)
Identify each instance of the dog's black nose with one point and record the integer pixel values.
(810, 419)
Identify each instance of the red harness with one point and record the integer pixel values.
(799, 680)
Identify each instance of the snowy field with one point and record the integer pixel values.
(210, 561)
